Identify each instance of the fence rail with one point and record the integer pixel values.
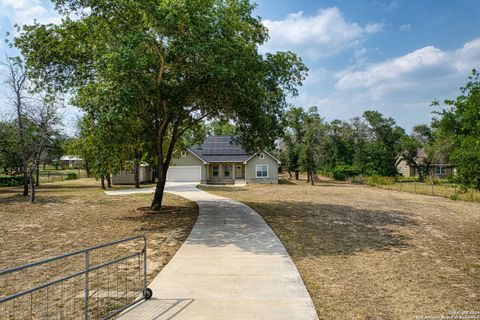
(430, 186)
(107, 283)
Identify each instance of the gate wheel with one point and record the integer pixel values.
(147, 293)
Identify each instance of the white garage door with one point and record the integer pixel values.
(184, 174)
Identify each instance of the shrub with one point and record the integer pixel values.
(7, 181)
(380, 180)
(71, 175)
(344, 172)
(454, 196)
(358, 180)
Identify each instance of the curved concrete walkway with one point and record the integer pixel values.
(232, 266)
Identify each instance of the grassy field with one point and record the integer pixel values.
(369, 253)
(76, 214)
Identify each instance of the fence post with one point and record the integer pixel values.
(144, 265)
(86, 291)
(432, 186)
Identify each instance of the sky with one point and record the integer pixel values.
(392, 56)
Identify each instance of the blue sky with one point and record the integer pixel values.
(392, 56)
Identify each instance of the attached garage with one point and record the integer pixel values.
(184, 174)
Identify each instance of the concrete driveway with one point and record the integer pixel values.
(232, 266)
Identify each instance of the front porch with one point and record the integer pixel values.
(225, 173)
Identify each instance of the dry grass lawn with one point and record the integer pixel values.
(76, 214)
(368, 253)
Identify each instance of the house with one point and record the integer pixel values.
(145, 175)
(72, 162)
(439, 168)
(218, 160)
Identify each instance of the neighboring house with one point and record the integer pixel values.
(127, 176)
(439, 168)
(220, 161)
(72, 162)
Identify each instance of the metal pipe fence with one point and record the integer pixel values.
(95, 283)
(429, 186)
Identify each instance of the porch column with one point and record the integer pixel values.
(233, 171)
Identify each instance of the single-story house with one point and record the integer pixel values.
(218, 160)
(73, 162)
(438, 169)
(145, 175)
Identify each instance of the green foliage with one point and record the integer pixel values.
(10, 152)
(458, 126)
(71, 175)
(294, 123)
(344, 172)
(309, 151)
(221, 128)
(385, 146)
(379, 180)
(7, 181)
(157, 69)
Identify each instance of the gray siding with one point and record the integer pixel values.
(250, 170)
(191, 160)
(145, 175)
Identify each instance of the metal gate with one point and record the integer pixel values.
(95, 283)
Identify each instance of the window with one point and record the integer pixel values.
(261, 156)
(183, 154)
(440, 170)
(261, 170)
(226, 171)
(215, 171)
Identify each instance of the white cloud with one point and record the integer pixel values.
(373, 28)
(388, 7)
(405, 27)
(317, 36)
(402, 87)
(26, 11)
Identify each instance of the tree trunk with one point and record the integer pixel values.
(136, 173)
(25, 182)
(308, 176)
(109, 181)
(159, 190)
(32, 186)
(102, 180)
(37, 181)
(290, 173)
(87, 168)
(44, 165)
(312, 178)
(296, 175)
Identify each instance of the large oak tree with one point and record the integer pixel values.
(169, 63)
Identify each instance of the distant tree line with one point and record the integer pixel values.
(373, 144)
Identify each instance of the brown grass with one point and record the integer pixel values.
(368, 253)
(76, 214)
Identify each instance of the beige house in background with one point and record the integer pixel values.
(145, 175)
(72, 162)
(218, 160)
(440, 169)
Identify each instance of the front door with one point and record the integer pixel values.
(238, 171)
